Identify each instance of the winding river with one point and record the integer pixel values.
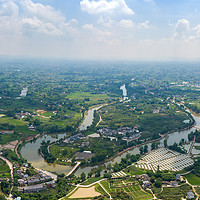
(30, 150)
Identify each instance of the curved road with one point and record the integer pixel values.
(11, 173)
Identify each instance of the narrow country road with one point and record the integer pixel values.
(11, 173)
(193, 188)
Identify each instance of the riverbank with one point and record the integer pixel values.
(38, 161)
(151, 141)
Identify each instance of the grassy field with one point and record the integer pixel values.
(62, 153)
(91, 180)
(72, 120)
(20, 127)
(174, 192)
(193, 179)
(129, 186)
(93, 98)
(47, 114)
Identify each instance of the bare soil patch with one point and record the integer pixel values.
(85, 192)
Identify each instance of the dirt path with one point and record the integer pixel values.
(105, 190)
(11, 173)
(100, 120)
(193, 188)
(17, 148)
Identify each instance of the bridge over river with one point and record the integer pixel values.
(73, 169)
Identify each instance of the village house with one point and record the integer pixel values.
(6, 132)
(173, 183)
(34, 188)
(190, 195)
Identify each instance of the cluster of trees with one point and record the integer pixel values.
(177, 148)
(159, 176)
(196, 168)
(5, 187)
(196, 133)
(144, 149)
(2, 197)
(47, 156)
(128, 160)
(6, 126)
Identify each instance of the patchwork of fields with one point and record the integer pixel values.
(129, 186)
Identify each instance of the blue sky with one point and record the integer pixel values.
(101, 29)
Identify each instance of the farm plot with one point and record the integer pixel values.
(130, 186)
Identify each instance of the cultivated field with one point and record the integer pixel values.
(129, 186)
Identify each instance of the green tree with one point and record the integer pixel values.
(83, 176)
(158, 183)
(141, 150)
(153, 146)
(165, 142)
(145, 148)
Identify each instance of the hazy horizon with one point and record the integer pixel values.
(100, 29)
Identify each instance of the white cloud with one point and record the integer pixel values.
(9, 9)
(126, 23)
(32, 24)
(107, 22)
(106, 7)
(43, 12)
(181, 27)
(144, 24)
(94, 30)
(197, 29)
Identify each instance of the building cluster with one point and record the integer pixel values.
(31, 128)
(22, 114)
(86, 155)
(74, 138)
(145, 180)
(37, 187)
(39, 181)
(26, 180)
(24, 92)
(128, 134)
(157, 110)
(146, 183)
(6, 132)
(174, 183)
